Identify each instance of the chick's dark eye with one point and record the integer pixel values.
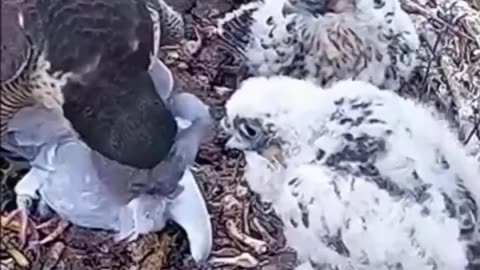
(251, 132)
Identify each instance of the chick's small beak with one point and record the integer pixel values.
(288, 9)
(274, 154)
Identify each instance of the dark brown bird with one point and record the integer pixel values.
(118, 155)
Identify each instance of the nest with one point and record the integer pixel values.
(247, 234)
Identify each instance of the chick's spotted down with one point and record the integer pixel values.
(324, 40)
(117, 126)
(361, 178)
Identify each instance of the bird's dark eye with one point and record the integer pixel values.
(378, 4)
(248, 130)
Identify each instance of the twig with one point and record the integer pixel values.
(244, 260)
(259, 246)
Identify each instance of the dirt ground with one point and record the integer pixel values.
(247, 234)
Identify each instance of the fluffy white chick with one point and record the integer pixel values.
(325, 40)
(361, 178)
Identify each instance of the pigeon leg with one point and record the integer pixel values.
(24, 223)
(61, 226)
(26, 190)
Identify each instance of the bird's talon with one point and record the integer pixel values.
(45, 224)
(22, 227)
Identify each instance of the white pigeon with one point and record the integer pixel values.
(361, 178)
(77, 182)
(325, 40)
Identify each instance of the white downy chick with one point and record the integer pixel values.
(361, 178)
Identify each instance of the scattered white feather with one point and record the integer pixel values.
(367, 40)
(370, 180)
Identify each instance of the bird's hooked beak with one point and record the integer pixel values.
(273, 151)
(189, 211)
(274, 154)
(161, 76)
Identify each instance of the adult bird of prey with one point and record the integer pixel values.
(324, 40)
(357, 181)
(109, 154)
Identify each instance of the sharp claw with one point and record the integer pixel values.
(190, 212)
(25, 225)
(21, 226)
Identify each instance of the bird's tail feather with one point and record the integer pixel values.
(235, 27)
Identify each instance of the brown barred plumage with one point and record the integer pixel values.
(31, 84)
(15, 92)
